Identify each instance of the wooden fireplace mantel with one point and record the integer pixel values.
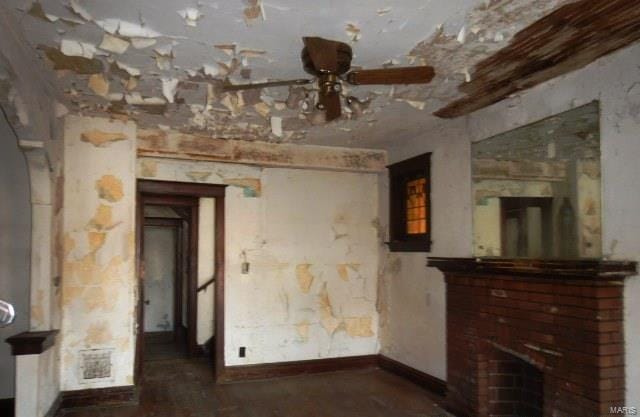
(595, 269)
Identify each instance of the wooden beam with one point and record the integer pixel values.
(569, 38)
(174, 145)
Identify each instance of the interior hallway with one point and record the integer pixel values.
(185, 388)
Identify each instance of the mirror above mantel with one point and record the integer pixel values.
(536, 189)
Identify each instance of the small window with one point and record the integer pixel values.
(410, 205)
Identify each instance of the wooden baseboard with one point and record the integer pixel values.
(125, 395)
(282, 369)
(431, 383)
(7, 407)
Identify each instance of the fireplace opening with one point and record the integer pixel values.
(516, 388)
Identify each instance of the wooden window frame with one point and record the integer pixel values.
(399, 173)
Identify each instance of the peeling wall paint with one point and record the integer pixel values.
(419, 291)
(158, 143)
(294, 304)
(98, 276)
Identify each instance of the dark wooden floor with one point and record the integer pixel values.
(185, 388)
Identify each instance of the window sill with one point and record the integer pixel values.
(409, 246)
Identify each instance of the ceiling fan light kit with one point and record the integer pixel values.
(330, 61)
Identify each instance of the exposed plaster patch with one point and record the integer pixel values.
(127, 29)
(169, 86)
(110, 188)
(191, 15)
(96, 240)
(37, 312)
(343, 270)
(142, 43)
(36, 10)
(327, 318)
(99, 85)
(304, 276)
(164, 57)
(254, 11)
(302, 328)
(149, 169)
(71, 47)
(103, 218)
(102, 139)
(79, 10)
(252, 187)
(114, 44)
(76, 64)
(199, 176)
(134, 72)
(276, 126)
(353, 31)
(98, 334)
(359, 326)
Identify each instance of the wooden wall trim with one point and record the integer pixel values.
(174, 145)
(32, 343)
(584, 269)
(294, 368)
(429, 382)
(112, 396)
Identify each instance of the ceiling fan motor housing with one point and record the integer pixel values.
(344, 54)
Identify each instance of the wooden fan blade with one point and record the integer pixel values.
(323, 53)
(237, 87)
(402, 75)
(331, 105)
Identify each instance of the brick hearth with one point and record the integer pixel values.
(563, 321)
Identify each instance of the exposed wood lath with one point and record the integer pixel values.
(567, 39)
(174, 145)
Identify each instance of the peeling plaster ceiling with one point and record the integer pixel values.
(161, 62)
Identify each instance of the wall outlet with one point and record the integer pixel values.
(242, 352)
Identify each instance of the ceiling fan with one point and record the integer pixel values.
(330, 62)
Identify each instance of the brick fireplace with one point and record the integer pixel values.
(534, 338)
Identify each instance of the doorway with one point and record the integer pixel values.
(167, 252)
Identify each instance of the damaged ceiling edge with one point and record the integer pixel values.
(120, 77)
(176, 145)
(36, 95)
(570, 38)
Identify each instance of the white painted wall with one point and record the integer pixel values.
(412, 297)
(99, 283)
(206, 268)
(159, 278)
(310, 239)
(615, 81)
(15, 240)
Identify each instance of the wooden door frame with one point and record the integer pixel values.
(176, 225)
(190, 206)
(163, 191)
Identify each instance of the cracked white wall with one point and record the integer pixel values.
(615, 81)
(98, 278)
(311, 242)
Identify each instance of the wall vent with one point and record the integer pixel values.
(95, 364)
